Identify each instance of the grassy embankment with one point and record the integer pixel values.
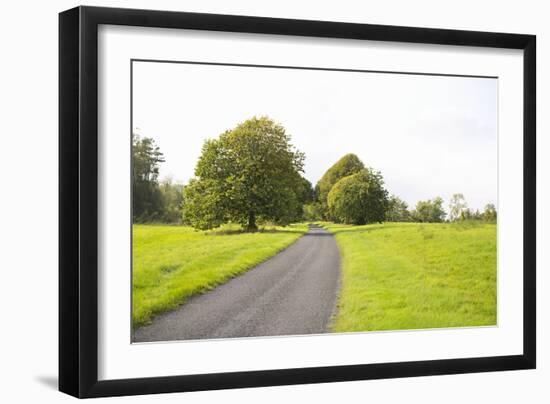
(172, 263)
(412, 275)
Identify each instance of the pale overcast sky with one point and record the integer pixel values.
(428, 135)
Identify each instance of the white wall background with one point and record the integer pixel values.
(28, 206)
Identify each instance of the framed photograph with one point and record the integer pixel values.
(250, 201)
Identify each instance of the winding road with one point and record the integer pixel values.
(292, 293)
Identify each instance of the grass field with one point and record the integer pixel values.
(413, 275)
(172, 263)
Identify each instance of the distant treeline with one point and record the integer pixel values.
(253, 175)
(432, 211)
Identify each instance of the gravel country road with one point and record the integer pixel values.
(292, 293)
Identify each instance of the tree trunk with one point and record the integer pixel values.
(251, 222)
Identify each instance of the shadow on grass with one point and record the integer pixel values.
(230, 232)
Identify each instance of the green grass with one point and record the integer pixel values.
(172, 263)
(410, 275)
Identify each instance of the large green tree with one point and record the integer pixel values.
(347, 165)
(146, 195)
(358, 198)
(248, 174)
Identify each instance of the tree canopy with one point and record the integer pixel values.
(358, 198)
(248, 174)
(347, 165)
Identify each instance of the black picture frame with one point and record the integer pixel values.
(78, 201)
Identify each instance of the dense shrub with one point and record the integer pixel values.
(347, 165)
(358, 198)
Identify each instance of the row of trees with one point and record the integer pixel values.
(432, 211)
(253, 175)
